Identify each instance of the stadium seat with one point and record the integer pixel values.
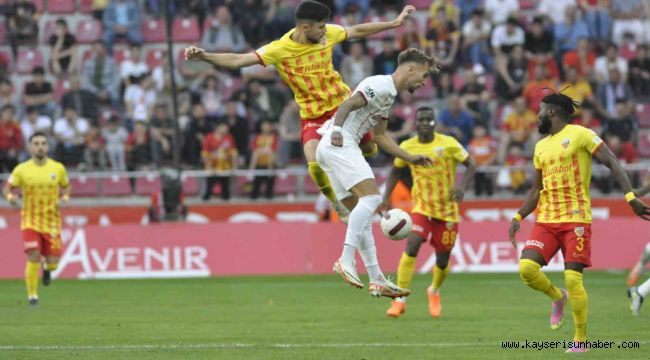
(60, 88)
(27, 60)
(644, 144)
(153, 31)
(47, 31)
(643, 113)
(310, 186)
(155, 57)
(120, 55)
(6, 60)
(3, 32)
(628, 51)
(457, 81)
(186, 30)
(285, 184)
(116, 186)
(61, 6)
(425, 92)
(190, 185)
(420, 4)
(147, 185)
(405, 112)
(88, 31)
(83, 186)
(527, 4)
(86, 6)
(39, 5)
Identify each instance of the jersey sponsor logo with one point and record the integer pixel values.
(580, 230)
(565, 143)
(535, 243)
(369, 92)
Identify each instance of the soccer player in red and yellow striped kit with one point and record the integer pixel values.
(44, 182)
(560, 192)
(303, 58)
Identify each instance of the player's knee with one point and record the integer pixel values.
(52, 266)
(34, 256)
(413, 245)
(370, 201)
(442, 260)
(573, 281)
(527, 271)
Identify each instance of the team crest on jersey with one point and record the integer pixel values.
(565, 143)
(450, 225)
(439, 150)
(53, 176)
(579, 231)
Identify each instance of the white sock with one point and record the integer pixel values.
(359, 216)
(368, 253)
(645, 257)
(401, 299)
(644, 289)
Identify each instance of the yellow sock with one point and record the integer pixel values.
(579, 302)
(530, 273)
(405, 271)
(51, 266)
(439, 276)
(31, 278)
(322, 181)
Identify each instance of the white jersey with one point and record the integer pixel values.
(379, 92)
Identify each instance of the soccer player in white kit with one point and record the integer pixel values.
(338, 153)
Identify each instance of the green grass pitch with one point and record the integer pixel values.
(303, 317)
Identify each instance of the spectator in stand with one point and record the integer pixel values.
(626, 153)
(467, 8)
(511, 80)
(411, 36)
(499, 11)
(576, 88)
(476, 39)
(443, 85)
(212, 96)
(264, 148)
(39, 93)
(138, 149)
(83, 100)
(281, 17)
(162, 134)
(223, 35)
(604, 64)
(289, 128)
(539, 87)
(348, 6)
(457, 122)
(356, 66)
(263, 102)
(139, 98)
(519, 182)
(95, 152)
(219, 154)
(194, 72)
(250, 15)
(506, 36)
(134, 66)
(116, 137)
(582, 59)
(596, 14)
(22, 25)
(539, 47)
(568, 31)
(98, 7)
(70, 134)
(195, 133)
(450, 12)
(519, 127)
(555, 10)
(475, 98)
(8, 95)
(11, 139)
(100, 75)
(34, 122)
(63, 50)
(121, 19)
(624, 125)
(588, 118)
(443, 40)
(386, 60)
(608, 94)
(627, 17)
(239, 128)
(639, 68)
(398, 128)
(482, 149)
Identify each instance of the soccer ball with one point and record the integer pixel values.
(396, 224)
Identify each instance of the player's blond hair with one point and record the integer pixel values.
(419, 57)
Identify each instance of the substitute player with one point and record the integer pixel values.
(44, 182)
(435, 209)
(303, 58)
(560, 191)
(352, 178)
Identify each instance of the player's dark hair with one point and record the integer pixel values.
(564, 105)
(419, 57)
(424, 108)
(309, 10)
(36, 134)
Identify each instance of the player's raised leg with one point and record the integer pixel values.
(321, 179)
(637, 295)
(406, 270)
(638, 268)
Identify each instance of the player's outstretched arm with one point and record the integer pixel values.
(607, 158)
(390, 146)
(225, 60)
(354, 102)
(368, 29)
(528, 207)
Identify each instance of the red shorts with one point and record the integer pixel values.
(574, 239)
(46, 244)
(440, 234)
(309, 127)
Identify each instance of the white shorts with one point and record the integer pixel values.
(345, 166)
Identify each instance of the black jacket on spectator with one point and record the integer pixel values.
(623, 128)
(84, 101)
(192, 145)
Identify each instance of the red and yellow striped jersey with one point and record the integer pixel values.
(41, 185)
(432, 185)
(565, 161)
(308, 70)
